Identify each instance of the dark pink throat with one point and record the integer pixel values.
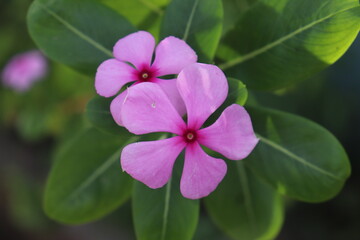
(146, 74)
(189, 136)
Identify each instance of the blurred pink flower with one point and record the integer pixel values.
(24, 69)
(133, 63)
(146, 109)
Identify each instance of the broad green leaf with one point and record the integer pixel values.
(137, 11)
(80, 34)
(99, 115)
(207, 230)
(244, 207)
(161, 214)
(296, 156)
(277, 43)
(233, 10)
(86, 181)
(144, 14)
(198, 22)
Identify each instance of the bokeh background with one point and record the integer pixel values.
(33, 124)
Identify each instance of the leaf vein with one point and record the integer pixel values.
(166, 210)
(191, 18)
(279, 41)
(100, 170)
(296, 157)
(76, 31)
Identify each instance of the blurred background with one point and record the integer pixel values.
(35, 122)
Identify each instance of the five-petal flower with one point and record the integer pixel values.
(133, 63)
(146, 109)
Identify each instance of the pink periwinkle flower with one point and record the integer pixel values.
(24, 69)
(133, 63)
(147, 109)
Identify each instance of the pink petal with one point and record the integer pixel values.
(24, 69)
(116, 107)
(136, 48)
(147, 109)
(232, 134)
(203, 87)
(172, 55)
(170, 88)
(152, 162)
(201, 174)
(111, 76)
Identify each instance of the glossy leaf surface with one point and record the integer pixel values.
(244, 207)
(198, 22)
(80, 34)
(277, 43)
(98, 113)
(298, 157)
(86, 181)
(161, 214)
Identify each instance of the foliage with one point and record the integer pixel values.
(260, 44)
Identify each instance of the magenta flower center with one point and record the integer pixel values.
(146, 74)
(190, 136)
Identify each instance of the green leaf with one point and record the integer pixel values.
(237, 92)
(144, 14)
(244, 207)
(80, 34)
(136, 11)
(98, 113)
(233, 10)
(86, 181)
(161, 214)
(277, 43)
(198, 22)
(298, 157)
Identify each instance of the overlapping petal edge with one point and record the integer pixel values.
(147, 109)
(133, 63)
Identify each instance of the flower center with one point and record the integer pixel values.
(145, 75)
(189, 136)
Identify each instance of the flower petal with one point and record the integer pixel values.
(147, 109)
(136, 48)
(201, 174)
(170, 89)
(203, 87)
(24, 69)
(232, 134)
(111, 76)
(152, 162)
(116, 107)
(172, 55)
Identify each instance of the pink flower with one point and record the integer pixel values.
(24, 69)
(147, 109)
(136, 49)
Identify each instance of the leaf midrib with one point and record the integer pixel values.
(279, 41)
(296, 157)
(190, 20)
(76, 31)
(166, 210)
